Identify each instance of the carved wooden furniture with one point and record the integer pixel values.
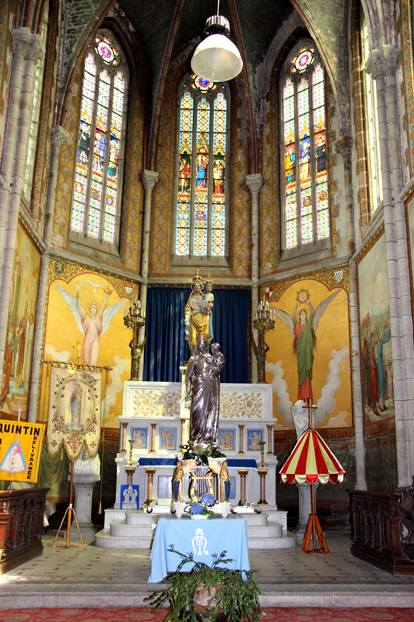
(382, 529)
(21, 526)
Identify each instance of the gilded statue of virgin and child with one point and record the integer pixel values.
(202, 381)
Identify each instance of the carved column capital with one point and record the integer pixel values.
(149, 179)
(382, 61)
(36, 49)
(60, 136)
(254, 182)
(21, 39)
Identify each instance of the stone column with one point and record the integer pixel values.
(59, 137)
(149, 179)
(254, 183)
(382, 65)
(243, 473)
(270, 439)
(344, 147)
(241, 443)
(262, 473)
(27, 49)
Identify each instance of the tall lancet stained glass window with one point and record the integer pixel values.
(201, 169)
(305, 175)
(100, 147)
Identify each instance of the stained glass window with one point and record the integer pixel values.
(35, 112)
(305, 176)
(202, 157)
(100, 146)
(371, 125)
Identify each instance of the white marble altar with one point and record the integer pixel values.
(155, 419)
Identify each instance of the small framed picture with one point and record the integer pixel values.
(232, 494)
(226, 440)
(129, 497)
(164, 486)
(254, 438)
(140, 438)
(168, 437)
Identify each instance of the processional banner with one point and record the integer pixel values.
(74, 411)
(20, 448)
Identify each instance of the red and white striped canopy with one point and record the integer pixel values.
(311, 460)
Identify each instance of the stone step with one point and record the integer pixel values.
(105, 540)
(273, 530)
(121, 528)
(288, 541)
(138, 517)
(254, 519)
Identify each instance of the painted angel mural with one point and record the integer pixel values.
(94, 324)
(302, 325)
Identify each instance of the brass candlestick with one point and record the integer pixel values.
(263, 320)
(130, 461)
(135, 318)
(262, 462)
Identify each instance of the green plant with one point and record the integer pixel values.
(231, 595)
(201, 452)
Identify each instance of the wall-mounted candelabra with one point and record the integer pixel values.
(263, 320)
(134, 318)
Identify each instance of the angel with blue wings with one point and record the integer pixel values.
(302, 325)
(92, 326)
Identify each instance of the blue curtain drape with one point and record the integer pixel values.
(166, 348)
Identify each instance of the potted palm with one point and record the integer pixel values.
(213, 593)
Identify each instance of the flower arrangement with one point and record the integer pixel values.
(201, 452)
(201, 509)
(211, 592)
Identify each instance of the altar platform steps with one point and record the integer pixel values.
(135, 529)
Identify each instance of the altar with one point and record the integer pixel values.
(155, 423)
(153, 426)
(202, 537)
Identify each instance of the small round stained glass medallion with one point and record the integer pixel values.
(107, 52)
(202, 83)
(303, 60)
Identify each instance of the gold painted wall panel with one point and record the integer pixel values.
(331, 373)
(65, 334)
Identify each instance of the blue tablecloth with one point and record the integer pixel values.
(205, 537)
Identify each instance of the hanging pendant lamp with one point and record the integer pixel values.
(216, 58)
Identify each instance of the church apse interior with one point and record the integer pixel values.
(126, 178)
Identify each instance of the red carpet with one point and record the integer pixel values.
(271, 614)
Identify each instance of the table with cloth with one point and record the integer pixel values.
(204, 537)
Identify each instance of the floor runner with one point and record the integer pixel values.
(271, 614)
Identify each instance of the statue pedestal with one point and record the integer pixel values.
(86, 475)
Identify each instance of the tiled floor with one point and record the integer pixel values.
(93, 576)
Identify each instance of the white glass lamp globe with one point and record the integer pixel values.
(217, 59)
